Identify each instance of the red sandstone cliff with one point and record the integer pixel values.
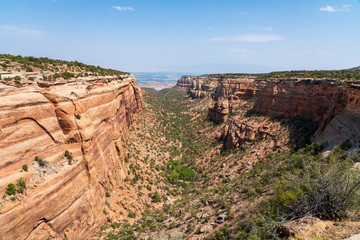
(89, 117)
(307, 98)
(335, 104)
(342, 120)
(214, 85)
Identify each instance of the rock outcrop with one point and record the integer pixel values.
(238, 133)
(214, 85)
(307, 98)
(335, 104)
(342, 120)
(88, 117)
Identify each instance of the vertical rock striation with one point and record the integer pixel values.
(335, 104)
(307, 98)
(342, 120)
(89, 117)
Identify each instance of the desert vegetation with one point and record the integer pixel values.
(216, 194)
(29, 64)
(344, 75)
(18, 70)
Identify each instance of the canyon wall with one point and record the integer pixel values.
(334, 104)
(342, 120)
(307, 98)
(214, 85)
(89, 117)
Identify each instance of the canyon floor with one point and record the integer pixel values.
(193, 188)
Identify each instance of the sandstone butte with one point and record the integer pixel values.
(89, 117)
(334, 104)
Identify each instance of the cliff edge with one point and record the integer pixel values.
(66, 139)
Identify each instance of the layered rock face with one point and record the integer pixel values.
(88, 117)
(342, 120)
(307, 98)
(334, 104)
(238, 133)
(213, 85)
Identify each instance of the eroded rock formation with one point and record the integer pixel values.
(335, 104)
(342, 120)
(88, 117)
(307, 98)
(214, 85)
(238, 133)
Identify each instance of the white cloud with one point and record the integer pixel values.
(20, 31)
(344, 8)
(242, 50)
(347, 8)
(254, 37)
(124, 8)
(255, 28)
(328, 8)
(267, 29)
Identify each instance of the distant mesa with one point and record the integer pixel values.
(355, 68)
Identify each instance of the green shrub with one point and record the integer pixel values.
(127, 232)
(174, 177)
(67, 75)
(21, 182)
(185, 173)
(346, 145)
(78, 116)
(112, 236)
(104, 227)
(11, 189)
(107, 194)
(20, 189)
(115, 225)
(69, 156)
(25, 167)
(40, 161)
(132, 214)
(332, 194)
(155, 197)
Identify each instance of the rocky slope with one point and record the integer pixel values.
(89, 117)
(333, 103)
(245, 193)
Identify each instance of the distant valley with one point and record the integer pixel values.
(157, 80)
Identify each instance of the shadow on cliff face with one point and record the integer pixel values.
(301, 130)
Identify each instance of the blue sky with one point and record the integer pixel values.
(202, 36)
